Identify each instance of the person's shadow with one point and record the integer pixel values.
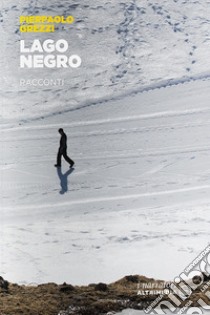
(64, 179)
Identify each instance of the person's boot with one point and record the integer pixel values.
(57, 165)
(72, 164)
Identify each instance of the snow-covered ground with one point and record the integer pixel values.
(137, 118)
(137, 201)
(124, 45)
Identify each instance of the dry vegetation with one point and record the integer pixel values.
(95, 299)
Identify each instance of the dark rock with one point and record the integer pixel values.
(133, 279)
(101, 287)
(4, 284)
(67, 288)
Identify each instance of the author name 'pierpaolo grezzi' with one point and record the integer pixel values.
(39, 55)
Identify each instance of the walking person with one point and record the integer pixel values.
(62, 151)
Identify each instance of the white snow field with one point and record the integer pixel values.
(137, 201)
(124, 46)
(137, 117)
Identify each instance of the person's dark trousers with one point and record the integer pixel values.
(64, 154)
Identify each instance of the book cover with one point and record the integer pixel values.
(104, 161)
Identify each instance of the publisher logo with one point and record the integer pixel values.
(180, 298)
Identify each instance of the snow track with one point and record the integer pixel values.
(108, 198)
